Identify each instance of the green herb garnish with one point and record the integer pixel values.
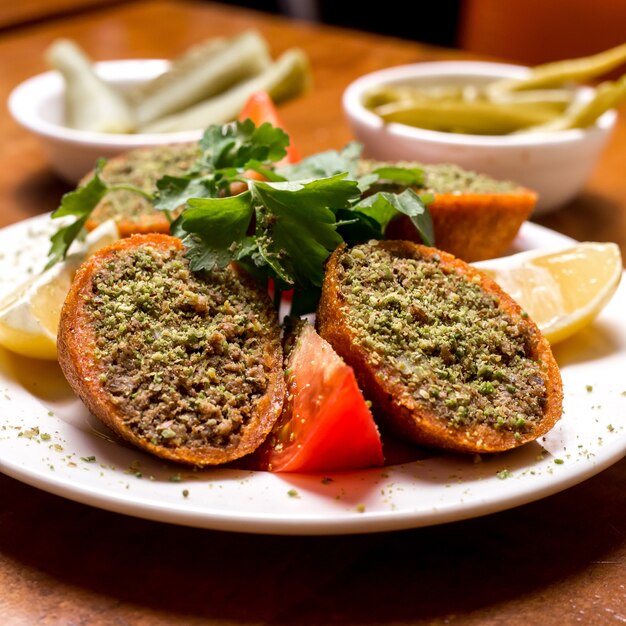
(324, 164)
(236, 145)
(283, 228)
(295, 227)
(81, 202)
(174, 191)
(410, 176)
(384, 206)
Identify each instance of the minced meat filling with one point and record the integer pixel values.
(183, 355)
(443, 338)
(141, 168)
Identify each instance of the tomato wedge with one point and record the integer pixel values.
(260, 108)
(326, 424)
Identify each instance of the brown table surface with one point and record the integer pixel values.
(560, 560)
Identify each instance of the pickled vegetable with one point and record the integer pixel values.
(90, 103)
(583, 114)
(477, 118)
(208, 84)
(286, 78)
(560, 72)
(543, 101)
(201, 73)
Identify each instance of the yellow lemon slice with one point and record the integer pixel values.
(29, 316)
(562, 291)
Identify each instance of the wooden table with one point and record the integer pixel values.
(561, 560)
(29, 11)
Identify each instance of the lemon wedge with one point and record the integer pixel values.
(562, 291)
(29, 315)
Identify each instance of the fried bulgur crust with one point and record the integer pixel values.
(411, 417)
(78, 360)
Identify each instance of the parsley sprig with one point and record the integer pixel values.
(283, 227)
(295, 227)
(80, 203)
(226, 152)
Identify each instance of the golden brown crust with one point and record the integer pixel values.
(76, 345)
(472, 226)
(407, 415)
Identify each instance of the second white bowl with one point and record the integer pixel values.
(556, 165)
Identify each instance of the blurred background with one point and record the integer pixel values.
(524, 31)
(430, 22)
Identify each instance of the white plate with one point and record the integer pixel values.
(49, 440)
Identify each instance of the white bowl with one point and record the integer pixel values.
(556, 165)
(37, 104)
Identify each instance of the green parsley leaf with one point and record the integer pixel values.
(217, 226)
(384, 206)
(174, 191)
(409, 176)
(295, 228)
(233, 145)
(259, 167)
(332, 162)
(80, 202)
(299, 214)
(378, 207)
(366, 181)
(227, 151)
(325, 164)
(296, 224)
(357, 226)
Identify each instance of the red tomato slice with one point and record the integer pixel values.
(260, 108)
(326, 424)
